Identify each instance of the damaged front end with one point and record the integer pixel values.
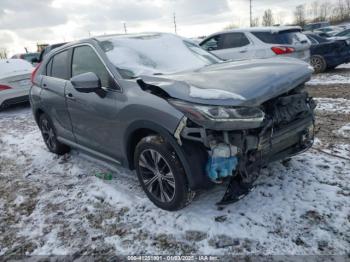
(239, 141)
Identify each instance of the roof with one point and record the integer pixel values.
(272, 29)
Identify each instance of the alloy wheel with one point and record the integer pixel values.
(48, 134)
(156, 175)
(317, 63)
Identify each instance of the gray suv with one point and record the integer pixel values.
(180, 116)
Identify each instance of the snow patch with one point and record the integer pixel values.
(213, 94)
(344, 131)
(336, 105)
(327, 79)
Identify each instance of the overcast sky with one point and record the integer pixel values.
(23, 23)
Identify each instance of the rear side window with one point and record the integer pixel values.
(284, 38)
(59, 68)
(234, 40)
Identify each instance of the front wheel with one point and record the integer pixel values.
(49, 136)
(161, 174)
(318, 63)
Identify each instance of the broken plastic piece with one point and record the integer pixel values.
(235, 191)
(222, 162)
(104, 176)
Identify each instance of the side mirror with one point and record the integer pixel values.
(86, 82)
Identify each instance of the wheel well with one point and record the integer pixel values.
(133, 140)
(38, 113)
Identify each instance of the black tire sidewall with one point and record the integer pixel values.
(181, 186)
(60, 148)
(324, 64)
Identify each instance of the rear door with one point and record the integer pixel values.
(93, 115)
(230, 46)
(53, 93)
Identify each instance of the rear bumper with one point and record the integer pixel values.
(13, 101)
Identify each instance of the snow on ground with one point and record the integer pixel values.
(344, 131)
(55, 205)
(326, 79)
(337, 76)
(335, 105)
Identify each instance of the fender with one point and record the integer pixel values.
(191, 154)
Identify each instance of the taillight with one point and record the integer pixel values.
(4, 87)
(282, 50)
(34, 73)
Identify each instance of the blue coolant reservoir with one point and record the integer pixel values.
(222, 162)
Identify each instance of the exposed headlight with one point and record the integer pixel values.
(221, 117)
(347, 41)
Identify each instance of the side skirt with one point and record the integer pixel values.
(88, 151)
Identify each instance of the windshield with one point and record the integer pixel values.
(152, 54)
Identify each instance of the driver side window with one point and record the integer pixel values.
(86, 60)
(212, 43)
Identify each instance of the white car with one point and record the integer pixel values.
(259, 42)
(14, 81)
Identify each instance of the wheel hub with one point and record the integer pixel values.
(157, 175)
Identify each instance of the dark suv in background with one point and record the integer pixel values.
(180, 116)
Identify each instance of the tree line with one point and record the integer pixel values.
(308, 13)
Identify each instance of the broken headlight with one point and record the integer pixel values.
(221, 117)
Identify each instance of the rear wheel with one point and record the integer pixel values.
(49, 136)
(161, 174)
(318, 63)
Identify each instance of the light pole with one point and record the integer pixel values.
(251, 13)
(125, 29)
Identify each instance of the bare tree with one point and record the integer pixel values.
(268, 19)
(255, 22)
(325, 11)
(315, 8)
(300, 15)
(3, 53)
(280, 18)
(231, 26)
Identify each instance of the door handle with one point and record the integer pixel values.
(70, 96)
(243, 51)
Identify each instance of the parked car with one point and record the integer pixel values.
(314, 26)
(344, 33)
(30, 57)
(14, 81)
(47, 50)
(328, 31)
(328, 54)
(184, 119)
(258, 42)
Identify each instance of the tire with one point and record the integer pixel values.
(49, 135)
(318, 63)
(164, 183)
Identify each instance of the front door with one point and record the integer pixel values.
(93, 115)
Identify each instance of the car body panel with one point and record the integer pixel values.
(255, 80)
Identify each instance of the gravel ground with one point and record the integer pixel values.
(53, 205)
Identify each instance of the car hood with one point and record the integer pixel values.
(241, 83)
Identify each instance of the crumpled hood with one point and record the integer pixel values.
(239, 83)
